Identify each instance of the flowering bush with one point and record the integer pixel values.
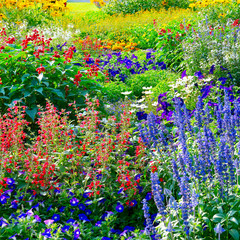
(200, 151)
(38, 73)
(86, 157)
(213, 45)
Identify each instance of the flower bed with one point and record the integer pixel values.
(114, 130)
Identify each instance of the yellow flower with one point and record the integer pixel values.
(2, 16)
(221, 15)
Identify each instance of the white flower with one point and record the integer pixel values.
(134, 105)
(148, 92)
(147, 88)
(142, 106)
(155, 104)
(126, 93)
(141, 100)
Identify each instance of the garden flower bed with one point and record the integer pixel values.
(121, 122)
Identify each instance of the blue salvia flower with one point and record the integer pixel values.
(237, 114)
(230, 163)
(219, 230)
(173, 203)
(175, 170)
(153, 131)
(150, 229)
(199, 113)
(226, 112)
(194, 199)
(186, 202)
(221, 166)
(187, 119)
(180, 123)
(218, 113)
(157, 190)
(208, 116)
(142, 133)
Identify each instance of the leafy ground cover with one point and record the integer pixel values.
(119, 122)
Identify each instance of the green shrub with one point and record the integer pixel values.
(131, 6)
(157, 79)
(113, 90)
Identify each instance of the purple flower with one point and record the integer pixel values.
(129, 228)
(49, 208)
(10, 181)
(211, 71)
(141, 115)
(81, 207)
(218, 229)
(148, 196)
(106, 238)
(77, 234)
(47, 233)
(71, 221)
(133, 203)
(83, 217)
(61, 209)
(120, 190)
(3, 199)
(119, 208)
(65, 228)
(37, 218)
(13, 236)
(98, 223)
(88, 211)
(184, 74)
(30, 213)
(56, 217)
(205, 91)
(199, 75)
(74, 202)
(49, 222)
(137, 177)
(14, 204)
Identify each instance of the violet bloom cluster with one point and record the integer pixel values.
(123, 66)
(203, 150)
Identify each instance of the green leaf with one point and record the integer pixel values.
(39, 90)
(231, 213)
(218, 217)
(27, 93)
(233, 219)
(62, 169)
(25, 76)
(21, 184)
(234, 233)
(2, 90)
(32, 113)
(31, 99)
(58, 92)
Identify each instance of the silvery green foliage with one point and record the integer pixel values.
(208, 45)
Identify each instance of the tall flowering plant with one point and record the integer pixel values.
(201, 150)
(32, 71)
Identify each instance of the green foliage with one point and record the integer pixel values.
(21, 81)
(113, 90)
(32, 16)
(157, 79)
(131, 6)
